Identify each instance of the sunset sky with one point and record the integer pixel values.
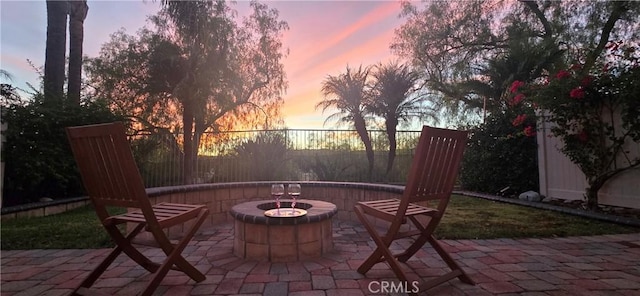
(324, 37)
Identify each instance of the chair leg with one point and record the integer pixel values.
(413, 248)
(382, 250)
(180, 261)
(377, 254)
(106, 262)
(130, 250)
(96, 272)
(456, 271)
(174, 257)
(450, 261)
(420, 241)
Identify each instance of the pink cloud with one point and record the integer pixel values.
(364, 42)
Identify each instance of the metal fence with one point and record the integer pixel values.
(290, 154)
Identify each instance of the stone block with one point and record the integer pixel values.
(283, 253)
(238, 229)
(256, 233)
(236, 194)
(282, 234)
(309, 233)
(239, 247)
(256, 251)
(250, 192)
(327, 244)
(178, 198)
(51, 210)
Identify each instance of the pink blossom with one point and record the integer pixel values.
(529, 131)
(577, 93)
(519, 120)
(515, 85)
(517, 99)
(562, 74)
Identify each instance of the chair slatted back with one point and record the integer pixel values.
(432, 176)
(107, 166)
(435, 165)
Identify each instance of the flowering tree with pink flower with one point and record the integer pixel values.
(594, 109)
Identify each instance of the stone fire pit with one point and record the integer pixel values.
(282, 239)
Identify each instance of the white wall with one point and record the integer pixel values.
(561, 178)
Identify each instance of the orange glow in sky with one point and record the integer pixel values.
(323, 38)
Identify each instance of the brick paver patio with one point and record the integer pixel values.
(598, 265)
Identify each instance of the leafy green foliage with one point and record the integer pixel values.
(37, 156)
(203, 69)
(394, 98)
(264, 157)
(348, 92)
(499, 155)
(329, 165)
(453, 43)
(595, 112)
(159, 160)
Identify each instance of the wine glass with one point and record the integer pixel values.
(294, 190)
(277, 190)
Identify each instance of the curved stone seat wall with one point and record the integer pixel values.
(221, 197)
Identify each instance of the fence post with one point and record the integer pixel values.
(3, 127)
(543, 147)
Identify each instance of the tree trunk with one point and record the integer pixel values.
(393, 143)
(187, 123)
(55, 51)
(77, 14)
(591, 193)
(592, 198)
(361, 128)
(200, 126)
(197, 136)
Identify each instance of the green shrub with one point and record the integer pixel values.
(159, 160)
(37, 156)
(498, 156)
(265, 158)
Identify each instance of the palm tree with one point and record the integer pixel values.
(394, 99)
(77, 13)
(54, 62)
(348, 93)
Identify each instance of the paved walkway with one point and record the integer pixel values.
(598, 265)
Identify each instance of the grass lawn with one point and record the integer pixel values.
(476, 218)
(75, 229)
(466, 218)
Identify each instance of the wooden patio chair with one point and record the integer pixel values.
(111, 178)
(431, 178)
